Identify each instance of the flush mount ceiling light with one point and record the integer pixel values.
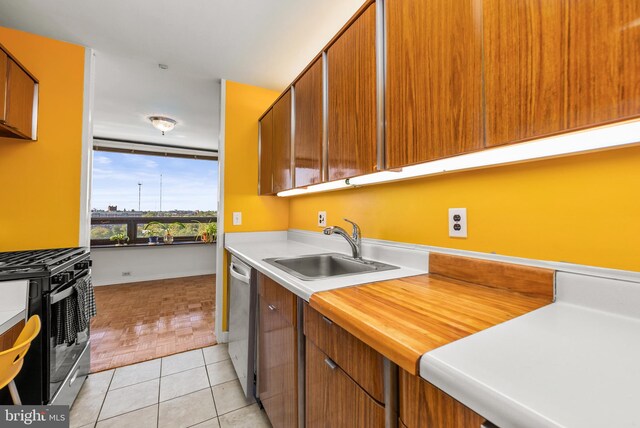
(163, 124)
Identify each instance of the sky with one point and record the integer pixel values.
(187, 184)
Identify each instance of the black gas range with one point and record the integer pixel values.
(52, 373)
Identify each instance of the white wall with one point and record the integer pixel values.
(152, 262)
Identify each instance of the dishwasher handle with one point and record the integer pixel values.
(237, 274)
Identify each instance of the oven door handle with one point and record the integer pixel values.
(63, 294)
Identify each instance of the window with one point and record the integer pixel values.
(151, 198)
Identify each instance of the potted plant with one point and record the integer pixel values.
(154, 230)
(166, 229)
(207, 231)
(119, 238)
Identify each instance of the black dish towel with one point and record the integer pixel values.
(74, 313)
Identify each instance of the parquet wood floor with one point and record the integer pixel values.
(145, 320)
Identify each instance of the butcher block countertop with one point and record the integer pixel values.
(407, 317)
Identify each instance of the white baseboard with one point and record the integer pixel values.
(128, 279)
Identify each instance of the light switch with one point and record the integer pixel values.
(237, 218)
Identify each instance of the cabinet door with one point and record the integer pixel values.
(333, 399)
(277, 356)
(265, 184)
(552, 66)
(9, 337)
(282, 143)
(20, 97)
(424, 405)
(434, 80)
(361, 362)
(352, 99)
(3, 85)
(308, 130)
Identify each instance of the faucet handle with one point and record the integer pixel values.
(356, 228)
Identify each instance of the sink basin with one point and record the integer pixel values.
(320, 266)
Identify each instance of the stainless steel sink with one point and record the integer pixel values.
(319, 266)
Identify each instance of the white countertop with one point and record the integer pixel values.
(10, 318)
(253, 248)
(13, 305)
(574, 363)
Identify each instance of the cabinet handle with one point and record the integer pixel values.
(332, 365)
(327, 320)
(272, 307)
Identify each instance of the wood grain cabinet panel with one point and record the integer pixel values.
(308, 127)
(265, 185)
(19, 105)
(3, 85)
(9, 337)
(277, 356)
(361, 362)
(603, 78)
(352, 99)
(18, 99)
(434, 80)
(424, 405)
(553, 66)
(334, 400)
(281, 160)
(283, 300)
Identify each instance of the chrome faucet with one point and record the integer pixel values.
(355, 240)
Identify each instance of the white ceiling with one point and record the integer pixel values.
(259, 42)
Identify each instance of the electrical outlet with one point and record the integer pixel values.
(322, 218)
(457, 222)
(237, 218)
(126, 273)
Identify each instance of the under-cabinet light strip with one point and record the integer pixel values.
(621, 134)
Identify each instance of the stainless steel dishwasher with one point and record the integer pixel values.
(242, 322)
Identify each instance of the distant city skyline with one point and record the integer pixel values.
(187, 184)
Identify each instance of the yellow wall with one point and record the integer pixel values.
(40, 181)
(244, 105)
(582, 209)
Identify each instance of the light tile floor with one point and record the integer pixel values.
(198, 388)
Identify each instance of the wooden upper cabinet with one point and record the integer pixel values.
(281, 159)
(20, 96)
(352, 99)
(3, 85)
(308, 126)
(434, 80)
(265, 185)
(553, 66)
(18, 99)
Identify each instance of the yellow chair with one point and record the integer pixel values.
(11, 360)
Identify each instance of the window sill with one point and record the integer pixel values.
(175, 244)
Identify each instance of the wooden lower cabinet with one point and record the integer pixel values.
(277, 354)
(9, 337)
(424, 405)
(344, 377)
(333, 399)
(363, 364)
